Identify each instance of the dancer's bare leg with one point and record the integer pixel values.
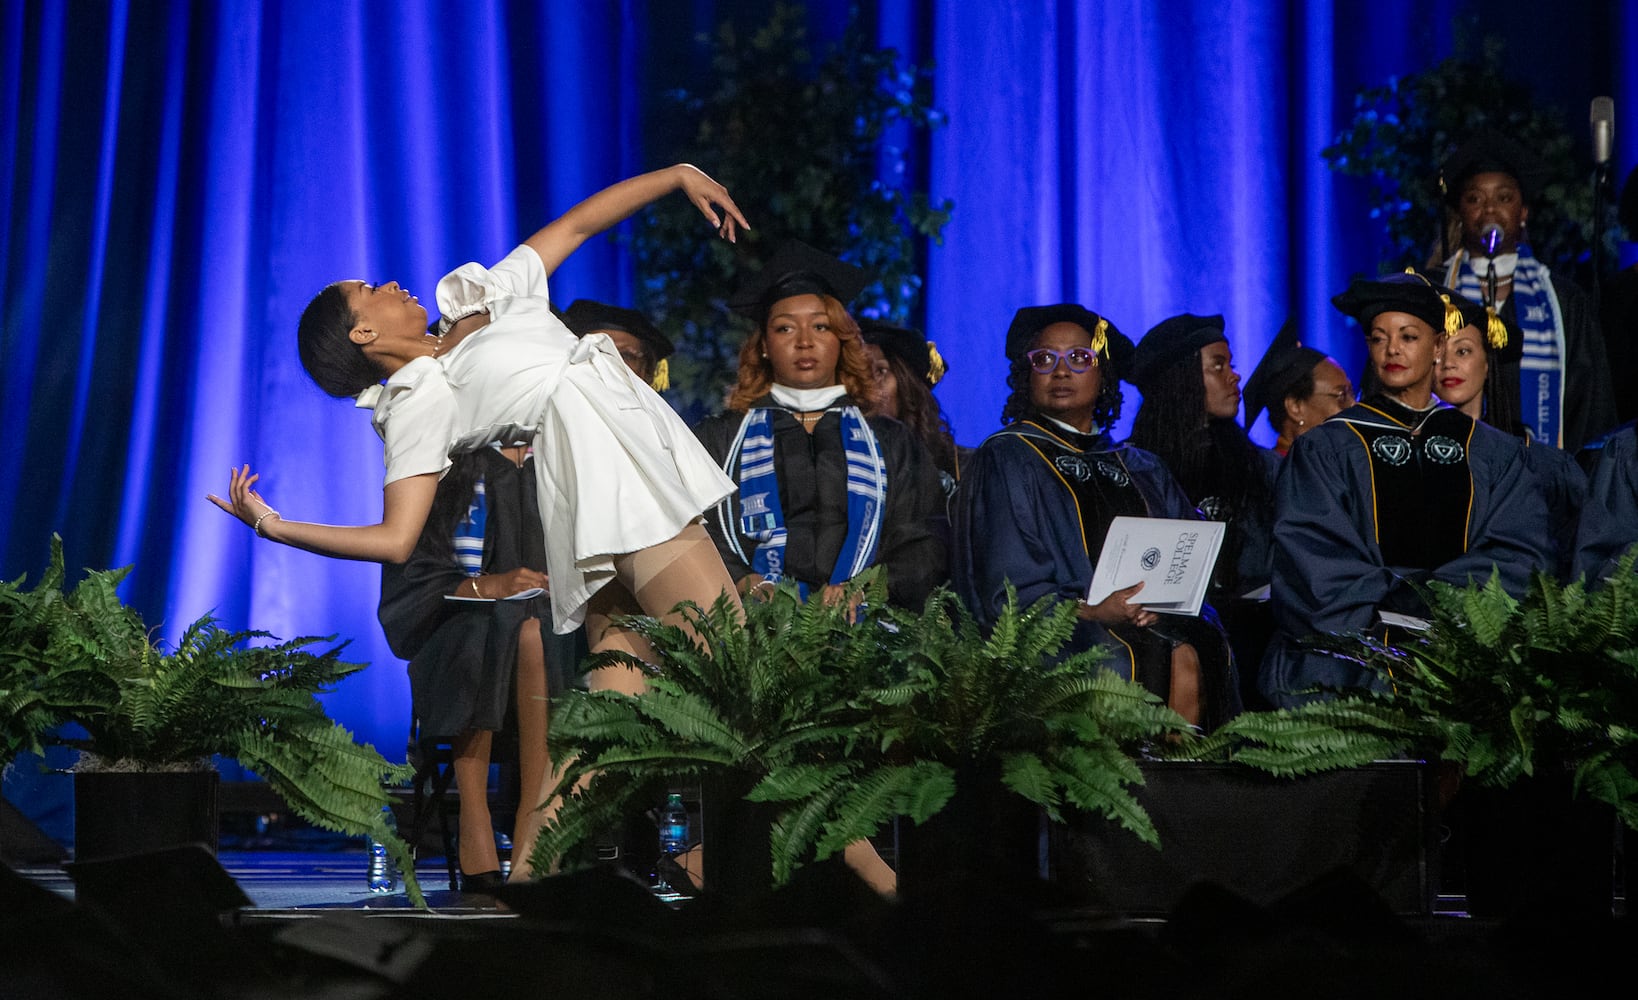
(477, 831)
(1184, 697)
(535, 778)
(653, 581)
(686, 568)
(861, 856)
(603, 635)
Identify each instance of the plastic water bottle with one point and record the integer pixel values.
(383, 876)
(673, 823)
(673, 826)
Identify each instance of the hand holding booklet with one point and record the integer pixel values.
(1173, 558)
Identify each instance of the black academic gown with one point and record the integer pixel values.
(812, 472)
(1249, 538)
(1609, 519)
(1452, 502)
(463, 654)
(1017, 521)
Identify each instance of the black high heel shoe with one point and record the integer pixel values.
(487, 883)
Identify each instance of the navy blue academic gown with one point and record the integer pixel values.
(1609, 519)
(1452, 502)
(1017, 521)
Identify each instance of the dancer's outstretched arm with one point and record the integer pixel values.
(618, 202)
(406, 504)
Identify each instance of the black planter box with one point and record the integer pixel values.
(1258, 836)
(118, 813)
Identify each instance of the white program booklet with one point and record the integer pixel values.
(1173, 558)
(522, 595)
(1410, 623)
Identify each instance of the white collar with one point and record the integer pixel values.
(807, 400)
(1070, 427)
(1504, 263)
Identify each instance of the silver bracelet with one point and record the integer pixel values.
(257, 527)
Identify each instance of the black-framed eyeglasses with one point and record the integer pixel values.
(1044, 360)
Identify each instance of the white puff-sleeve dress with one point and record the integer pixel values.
(618, 469)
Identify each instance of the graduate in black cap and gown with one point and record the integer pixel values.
(1299, 387)
(1395, 491)
(827, 489)
(905, 366)
(480, 667)
(1563, 374)
(1189, 420)
(642, 346)
(1038, 497)
(1475, 378)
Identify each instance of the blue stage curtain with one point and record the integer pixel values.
(181, 177)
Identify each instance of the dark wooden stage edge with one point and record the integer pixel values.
(1263, 887)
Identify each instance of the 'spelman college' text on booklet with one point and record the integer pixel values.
(1173, 558)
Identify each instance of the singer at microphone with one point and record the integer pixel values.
(1490, 184)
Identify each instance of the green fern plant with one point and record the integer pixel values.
(1508, 687)
(85, 657)
(842, 724)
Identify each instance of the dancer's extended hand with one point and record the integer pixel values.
(243, 501)
(705, 193)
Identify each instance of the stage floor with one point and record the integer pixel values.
(337, 879)
(277, 880)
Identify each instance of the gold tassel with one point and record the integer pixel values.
(1496, 330)
(1453, 317)
(935, 364)
(662, 376)
(1100, 338)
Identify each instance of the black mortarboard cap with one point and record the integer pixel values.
(584, 316)
(1489, 150)
(587, 316)
(1031, 320)
(909, 346)
(1171, 341)
(1407, 292)
(796, 269)
(1284, 365)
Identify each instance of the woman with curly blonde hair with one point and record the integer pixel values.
(826, 488)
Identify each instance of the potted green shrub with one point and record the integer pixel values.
(1534, 700)
(156, 717)
(836, 719)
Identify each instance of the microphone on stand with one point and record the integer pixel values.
(1490, 238)
(1602, 118)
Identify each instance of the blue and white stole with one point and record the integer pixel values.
(761, 516)
(469, 532)
(1535, 306)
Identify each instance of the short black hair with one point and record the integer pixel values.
(327, 351)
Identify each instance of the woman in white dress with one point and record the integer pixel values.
(622, 480)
